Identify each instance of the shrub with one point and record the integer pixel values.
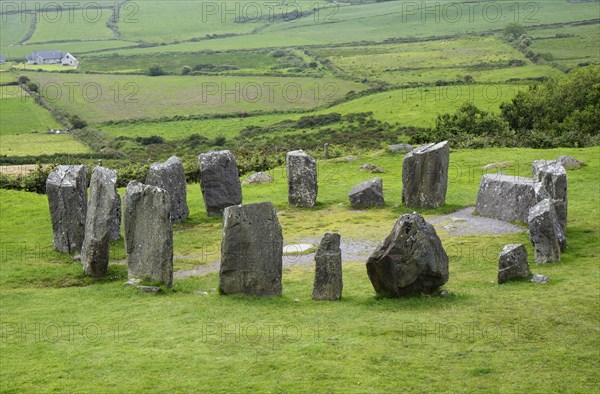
(185, 70)
(77, 122)
(155, 71)
(153, 139)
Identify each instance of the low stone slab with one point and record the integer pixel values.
(258, 178)
(513, 263)
(569, 163)
(170, 176)
(148, 233)
(544, 232)
(251, 251)
(219, 181)
(372, 168)
(99, 222)
(367, 194)
(400, 148)
(328, 269)
(538, 278)
(302, 179)
(66, 188)
(506, 197)
(425, 176)
(410, 261)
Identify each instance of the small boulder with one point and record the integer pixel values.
(537, 278)
(397, 148)
(367, 194)
(425, 176)
(302, 179)
(170, 176)
(258, 179)
(372, 168)
(219, 181)
(149, 289)
(544, 232)
(410, 261)
(328, 269)
(570, 163)
(513, 263)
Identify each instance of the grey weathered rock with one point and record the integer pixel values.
(554, 179)
(302, 179)
(400, 148)
(544, 232)
(538, 278)
(569, 163)
(99, 221)
(251, 251)
(367, 194)
(133, 282)
(115, 224)
(425, 176)
(219, 181)
(539, 164)
(149, 289)
(372, 168)
(66, 188)
(170, 176)
(410, 261)
(328, 269)
(513, 263)
(258, 179)
(148, 233)
(506, 197)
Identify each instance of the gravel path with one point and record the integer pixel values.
(456, 224)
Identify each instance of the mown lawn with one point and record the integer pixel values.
(63, 332)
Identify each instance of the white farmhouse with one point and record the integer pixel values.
(51, 57)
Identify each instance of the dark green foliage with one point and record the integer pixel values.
(153, 139)
(155, 71)
(77, 122)
(34, 181)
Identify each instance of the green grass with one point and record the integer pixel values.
(37, 144)
(76, 48)
(20, 114)
(80, 25)
(113, 97)
(548, 334)
(581, 47)
(12, 30)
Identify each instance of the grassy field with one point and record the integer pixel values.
(569, 46)
(76, 48)
(99, 98)
(115, 337)
(21, 115)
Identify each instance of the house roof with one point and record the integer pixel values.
(46, 55)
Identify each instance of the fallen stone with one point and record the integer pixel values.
(170, 176)
(328, 269)
(251, 251)
(148, 233)
(410, 261)
(372, 168)
(570, 163)
(66, 188)
(513, 263)
(400, 148)
(219, 181)
(554, 179)
(537, 278)
(132, 282)
(99, 222)
(506, 197)
(425, 176)
(258, 178)
(149, 289)
(302, 179)
(544, 232)
(367, 194)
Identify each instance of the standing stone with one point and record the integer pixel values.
(302, 179)
(554, 179)
(367, 194)
(99, 221)
(219, 181)
(513, 263)
(115, 227)
(537, 165)
(66, 188)
(410, 261)
(506, 197)
(544, 232)
(328, 269)
(170, 176)
(251, 251)
(148, 233)
(425, 176)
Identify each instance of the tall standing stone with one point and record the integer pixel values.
(545, 232)
(148, 233)
(302, 179)
(170, 176)
(507, 197)
(425, 176)
(251, 251)
(512, 263)
(328, 269)
(219, 181)
(66, 188)
(554, 179)
(410, 261)
(99, 221)
(115, 227)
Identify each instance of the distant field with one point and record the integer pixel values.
(21, 115)
(99, 98)
(12, 30)
(74, 47)
(569, 46)
(82, 25)
(40, 144)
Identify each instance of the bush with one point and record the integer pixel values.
(153, 139)
(155, 71)
(185, 70)
(33, 87)
(77, 122)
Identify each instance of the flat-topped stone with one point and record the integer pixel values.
(219, 181)
(425, 176)
(302, 179)
(170, 176)
(506, 197)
